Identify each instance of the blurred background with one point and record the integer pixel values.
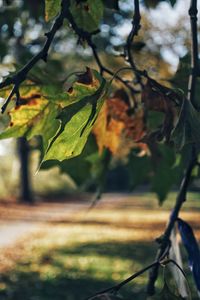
(60, 250)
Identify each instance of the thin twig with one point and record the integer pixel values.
(21, 75)
(134, 31)
(195, 70)
(117, 287)
(114, 289)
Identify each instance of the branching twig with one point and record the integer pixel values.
(193, 160)
(87, 36)
(21, 75)
(163, 261)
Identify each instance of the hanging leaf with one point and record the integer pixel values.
(77, 121)
(191, 245)
(52, 8)
(88, 14)
(175, 254)
(187, 130)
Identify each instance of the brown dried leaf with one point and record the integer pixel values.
(85, 78)
(156, 97)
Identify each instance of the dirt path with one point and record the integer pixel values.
(11, 232)
(17, 220)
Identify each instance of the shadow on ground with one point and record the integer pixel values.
(64, 281)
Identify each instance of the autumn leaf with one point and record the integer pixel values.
(36, 116)
(115, 129)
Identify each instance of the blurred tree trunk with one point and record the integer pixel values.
(26, 194)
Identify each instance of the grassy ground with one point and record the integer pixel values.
(72, 257)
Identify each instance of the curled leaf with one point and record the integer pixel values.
(191, 245)
(175, 254)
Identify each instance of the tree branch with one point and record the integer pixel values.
(181, 197)
(195, 70)
(21, 75)
(134, 31)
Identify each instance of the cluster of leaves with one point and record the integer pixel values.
(60, 117)
(139, 129)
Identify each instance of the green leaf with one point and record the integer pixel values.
(139, 169)
(164, 173)
(52, 8)
(87, 14)
(180, 79)
(77, 122)
(187, 129)
(37, 116)
(78, 168)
